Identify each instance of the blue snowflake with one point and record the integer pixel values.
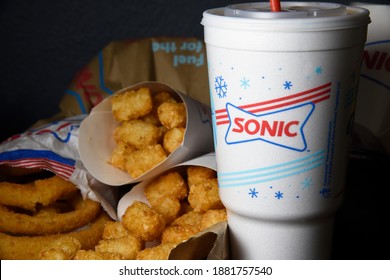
(318, 70)
(306, 183)
(279, 195)
(244, 83)
(252, 192)
(220, 87)
(325, 192)
(287, 85)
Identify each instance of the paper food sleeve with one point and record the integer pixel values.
(96, 140)
(211, 243)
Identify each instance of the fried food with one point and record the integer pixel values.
(116, 244)
(191, 218)
(138, 133)
(169, 184)
(168, 206)
(142, 160)
(162, 97)
(178, 233)
(131, 105)
(41, 192)
(94, 255)
(198, 174)
(204, 196)
(172, 114)
(173, 138)
(114, 229)
(83, 211)
(182, 227)
(151, 127)
(165, 193)
(126, 246)
(212, 217)
(64, 248)
(143, 222)
(164, 224)
(29, 247)
(159, 252)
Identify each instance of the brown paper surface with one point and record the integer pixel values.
(210, 244)
(178, 62)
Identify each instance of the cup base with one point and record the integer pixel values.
(252, 239)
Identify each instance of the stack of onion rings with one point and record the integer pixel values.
(40, 192)
(34, 214)
(29, 247)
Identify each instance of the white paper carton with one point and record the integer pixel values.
(97, 143)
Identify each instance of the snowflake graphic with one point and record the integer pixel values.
(306, 183)
(325, 192)
(279, 195)
(244, 83)
(287, 85)
(318, 70)
(252, 192)
(220, 87)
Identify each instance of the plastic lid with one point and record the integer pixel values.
(289, 10)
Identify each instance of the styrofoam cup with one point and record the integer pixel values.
(283, 88)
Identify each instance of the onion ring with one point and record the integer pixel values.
(29, 247)
(84, 212)
(40, 192)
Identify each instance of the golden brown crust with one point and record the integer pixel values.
(84, 212)
(38, 193)
(29, 247)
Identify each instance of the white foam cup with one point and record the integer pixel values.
(283, 90)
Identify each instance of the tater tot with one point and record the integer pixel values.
(172, 114)
(143, 222)
(178, 233)
(173, 138)
(132, 104)
(158, 99)
(211, 217)
(138, 133)
(162, 97)
(64, 248)
(140, 161)
(205, 196)
(198, 174)
(119, 155)
(114, 229)
(191, 218)
(168, 206)
(94, 255)
(159, 252)
(127, 246)
(169, 184)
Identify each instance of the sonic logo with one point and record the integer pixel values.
(376, 63)
(283, 128)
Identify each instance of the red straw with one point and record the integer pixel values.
(275, 5)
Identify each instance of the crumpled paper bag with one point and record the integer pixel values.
(179, 62)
